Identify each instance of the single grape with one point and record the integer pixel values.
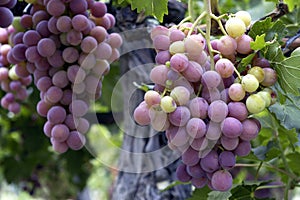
(190, 157)
(221, 180)
(237, 110)
(243, 148)
(177, 135)
(217, 111)
(270, 77)
(60, 132)
(224, 67)
(182, 174)
(213, 131)
(243, 44)
(258, 72)
(180, 116)
(168, 104)
(231, 127)
(229, 143)
(211, 79)
(196, 128)
(250, 83)
(236, 92)
(177, 47)
(227, 160)
(152, 98)
(210, 163)
(198, 107)
(181, 95)
(235, 27)
(56, 115)
(244, 16)
(159, 119)
(76, 140)
(227, 45)
(250, 129)
(255, 103)
(179, 62)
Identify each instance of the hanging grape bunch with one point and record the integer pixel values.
(14, 79)
(204, 103)
(66, 47)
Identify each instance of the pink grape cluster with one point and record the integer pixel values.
(66, 47)
(13, 79)
(205, 112)
(6, 16)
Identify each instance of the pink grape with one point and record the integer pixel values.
(56, 115)
(180, 116)
(76, 140)
(196, 128)
(60, 132)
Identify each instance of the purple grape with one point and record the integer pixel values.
(210, 162)
(181, 173)
(221, 180)
(227, 160)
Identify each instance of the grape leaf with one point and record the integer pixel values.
(294, 166)
(259, 42)
(269, 28)
(218, 195)
(288, 72)
(288, 111)
(200, 194)
(245, 61)
(156, 8)
(292, 4)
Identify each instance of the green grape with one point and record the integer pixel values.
(255, 103)
(250, 83)
(266, 96)
(244, 16)
(235, 27)
(177, 47)
(258, 72)
(168, 104)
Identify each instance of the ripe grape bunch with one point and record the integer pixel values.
(204, 104)
(13, 79)
(6, 16)
(65, 46)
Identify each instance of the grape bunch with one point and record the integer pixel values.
(6, 16)
(205, 108)
(65, 46)
(13, 79)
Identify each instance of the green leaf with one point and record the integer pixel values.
(245, 61)
(273, 53)
(288, 111)
(157, 8)
(292, 162)
(269, 28)
(288, 72)
(291, 4)
(260, 27)
(200, 194)
(259, 42)
(218, 195)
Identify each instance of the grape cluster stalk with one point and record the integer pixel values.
(65, 46)
(206, 109)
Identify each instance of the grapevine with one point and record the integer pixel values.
(204, 101)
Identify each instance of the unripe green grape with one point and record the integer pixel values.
(244, 16)
(258, 72)
(177, 47)
(255, 103)
(12, 73)
(168, 104)
(235, 27)
(266, 96)
(250, 83)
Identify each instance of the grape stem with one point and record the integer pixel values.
(207, 33)
(218, 19)
(190, 9)
(269, 187)
(203, 14)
